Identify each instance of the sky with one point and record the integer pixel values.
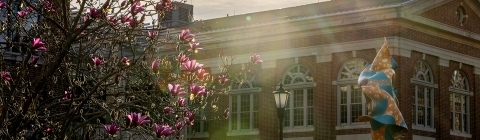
(209, 9)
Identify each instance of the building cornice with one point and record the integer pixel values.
(399, 46)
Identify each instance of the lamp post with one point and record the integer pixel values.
(281, 99)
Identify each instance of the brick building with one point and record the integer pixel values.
(318, 50)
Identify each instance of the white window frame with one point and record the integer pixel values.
(462, 92)
(290, 109)
(290, 84)
(428, 85)
(252, 90)
(349, 104)
(239, 130)
(350, 81)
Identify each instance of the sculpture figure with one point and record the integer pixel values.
(384, 116)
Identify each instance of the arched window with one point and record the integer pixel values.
(350, 101)
(297, 74)
(423, 93)
(459, 103)
(244, 81)
(243, 104)
(299, 111)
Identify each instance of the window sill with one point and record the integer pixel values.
(460, 134)
(298, 129)
(199, 135)
(423, 128)
(241, 133)
(353, 126)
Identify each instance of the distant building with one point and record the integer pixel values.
(318, 50)
(182, 15)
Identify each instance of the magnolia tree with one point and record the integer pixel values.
(97, 73)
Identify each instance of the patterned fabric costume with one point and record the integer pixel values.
(385, 118)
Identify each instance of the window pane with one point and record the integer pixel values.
(234, 104)
(356, 95)
(451, 120)
(421, 97)
(298, 98)
(343, 95)
(310, 116)
(458, 121)
(245, 103)
(458, 102)
(234, 121)
(298, 117)
(429, 116)
(421, 115)
(245, 120)
(343, 114)
(356, 111)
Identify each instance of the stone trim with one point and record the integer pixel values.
(399, 46)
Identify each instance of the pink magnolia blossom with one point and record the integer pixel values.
(125, 18)
(167, 110)
(68, 95)
(112, 20)
(132, 22)
(163, 130)
(38, 44)
(175, 89)
(159, 6)
(186, 36)
(222, 79)
(182, 58)
(197, 90)
(192, 65)
(194, 47)
(164, 5)
(97, 61)
(6, 75)
(155, 66)
(255, 59)
(48, 130)
(111, 128)
(86, 19)
(189, 117)
(201, 74)
(136, 8)
(48, 6)
(29, 9)
(3, 4)
(95, 13)
(126, 61)
(22, 14)
(136, 119)
(181, 102)
(152, 34)
(179, 125)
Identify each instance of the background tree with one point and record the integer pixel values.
(65, 74)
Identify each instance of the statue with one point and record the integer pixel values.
(385, 118)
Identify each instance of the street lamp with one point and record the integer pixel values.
(281, 99)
